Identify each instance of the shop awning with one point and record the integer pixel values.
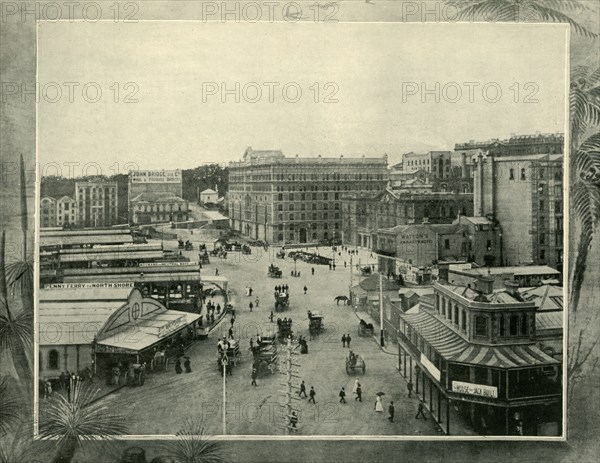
(452, 347)
(149, 331)
(111, 256)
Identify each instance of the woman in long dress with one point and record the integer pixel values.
(378, 405)
(355, 386)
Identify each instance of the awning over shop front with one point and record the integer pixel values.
(452, 347)
(139, 324)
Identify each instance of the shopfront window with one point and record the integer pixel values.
(53, 360)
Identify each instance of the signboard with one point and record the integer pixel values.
(87, 285)
(167, 264)
(155, 176)
(480, 390)
(173, 325)
(431, 367)
(415, 238)
(104, 349)
(466, 266)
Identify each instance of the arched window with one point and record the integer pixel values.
(53, 360)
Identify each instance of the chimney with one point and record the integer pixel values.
(485, 285)
(511, 287)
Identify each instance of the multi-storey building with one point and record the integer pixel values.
(158, 207)
(476, 350)
(145, 186)
(47, 212)
(524, 193)
(364, 214)
(297, 200)
(538, 143)
(436, 162)
(96, 203)
(60, 212)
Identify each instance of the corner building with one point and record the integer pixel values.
(297, 200)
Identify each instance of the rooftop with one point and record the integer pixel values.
(157, 197)
(515, 270)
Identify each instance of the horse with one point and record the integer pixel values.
(341, 298)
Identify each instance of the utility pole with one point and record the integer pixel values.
(381, 309)
(224, 362)
(288, 393)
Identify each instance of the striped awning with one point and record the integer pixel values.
(452, 347)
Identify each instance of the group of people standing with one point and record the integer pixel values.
(211, 308)
(346, 340)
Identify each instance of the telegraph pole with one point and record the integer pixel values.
(288, 393)
(381, 308)
(224, 362)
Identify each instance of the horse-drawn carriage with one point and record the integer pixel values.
(265, 356)
(284, 329)
(246, 249)
(274, 271)
(203, 257)
(188, 246)
(315, 323)
(282, 301)
(354, 363)
(365, 329)
(366, 270)
(280, 254)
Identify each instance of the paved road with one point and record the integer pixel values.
(163, 403)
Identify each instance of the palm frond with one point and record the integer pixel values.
(5, 309)
(595, 78)
(19, 275)
(567, 5)
(193, 445)
(9, 408)
(551, 15)
(19, 447)
(17, 329)
(81, 418)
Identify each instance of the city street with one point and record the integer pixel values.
(167, 399)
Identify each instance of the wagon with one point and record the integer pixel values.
(282, 301)
(274, 271)
(280, 254)
(355, 363)
(284, 330)
(265, 356)
(365, 329)
(365, 270)
(315, 323)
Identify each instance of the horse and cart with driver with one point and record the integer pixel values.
(265, 356)
(315, 324)
(365, 329)
(355, 363)
(274, 271)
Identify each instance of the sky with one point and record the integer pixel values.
(171, 109)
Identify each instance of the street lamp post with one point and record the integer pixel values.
(224, 362)
(381, 309)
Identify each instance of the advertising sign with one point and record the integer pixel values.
(155, 176)
(480, 390)
(171, 326)
(87, 285)
(168, 264)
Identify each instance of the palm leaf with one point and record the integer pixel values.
(551, 15)
(19, 275)
(80, 419)
(9, 408)
(3, 291)
(17, 330)
(194, 446)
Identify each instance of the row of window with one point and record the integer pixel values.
(324, 206)
(541, 174)
(314, 216)
(314, 226)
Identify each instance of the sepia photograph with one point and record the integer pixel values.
(327, 231)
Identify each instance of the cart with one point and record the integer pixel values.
(365, 329)
(315, 324)
(274, 271)
(282, 301)
(354, 363)
(265, 356)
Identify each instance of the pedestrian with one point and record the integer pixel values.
(232, 321)
(250, 292)
(271, 316)
(409, 386)
(356, 384)
(254, 377)
(342, 395)
(178, 366)
(378, 405)
(344, 264)
(312, 270)
(312, 395)
(251, 306)
(256, 301)
(302, 389)
(343, 340)
(216, 272)
(187, 365)
(252, 344)
(230, 332)
(420, 411)
(305, 289)
(348, 339)
(391, 411)
(359, 393)
(333, 266)
(329, 266)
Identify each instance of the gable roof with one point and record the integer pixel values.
(208, 191)
(372, 284)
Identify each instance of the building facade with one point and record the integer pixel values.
(297, 200)
(60, 212)
(436, 162)
(525, 195)
(475, 350)
(149, 208)
(209, 196)
(96, 203)
(152, 184)
(364, 214)
(516, 145)
(47, 212)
